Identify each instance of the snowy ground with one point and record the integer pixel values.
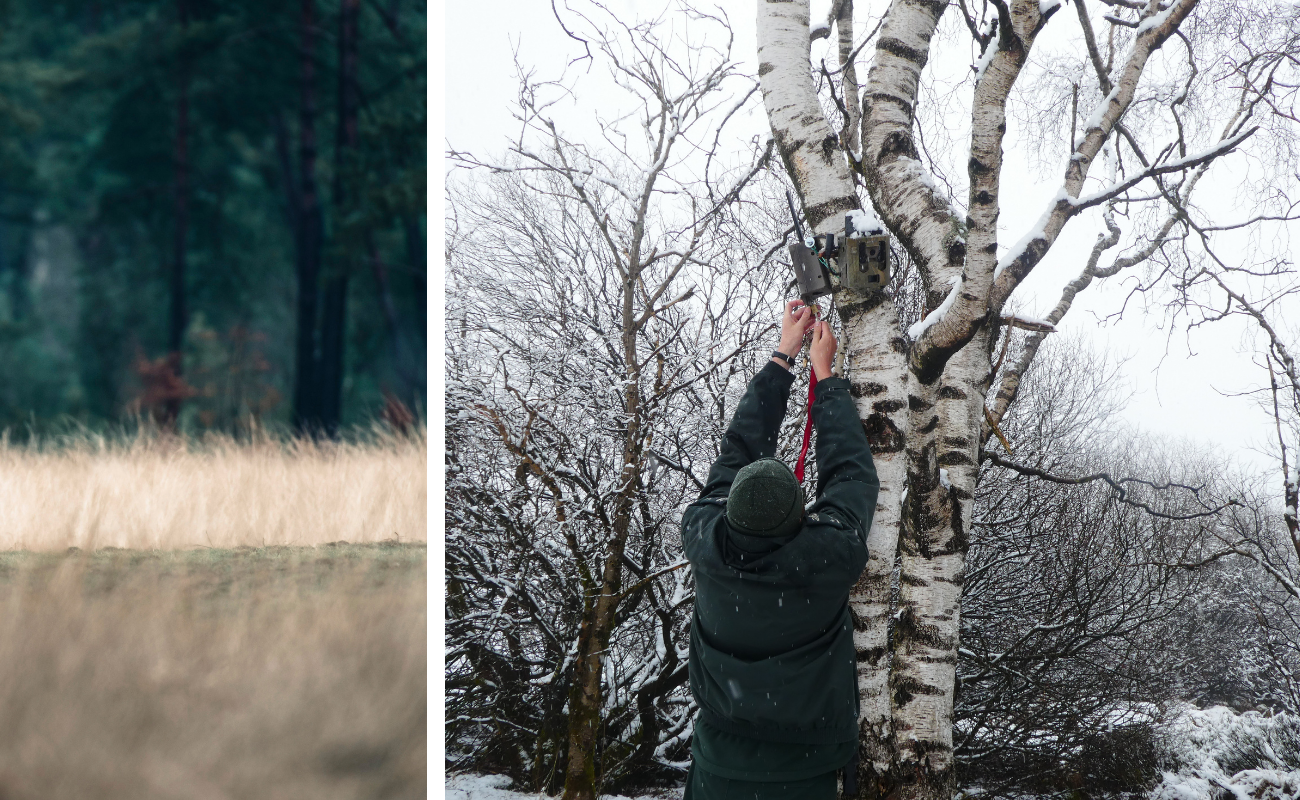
(1215, 754)
(1221, 754)
(496, 787)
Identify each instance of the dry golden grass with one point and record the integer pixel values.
(211, 660)
(251, 673)
(151, 493)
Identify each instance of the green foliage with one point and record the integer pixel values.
(90, 98)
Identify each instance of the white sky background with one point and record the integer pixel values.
(1177, 383)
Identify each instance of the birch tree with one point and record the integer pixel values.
(1140, 130)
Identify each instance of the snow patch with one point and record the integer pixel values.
(819, 29)
(986, 57)
(496, 787)
(1250, 784)
(923, 325)
(1203, 743)
(1154, 20)
(863, 221)
(1094, 121)
(1038, 231)
(1032, 322)
(1046, 7)
(1185, 162)
(943, 478)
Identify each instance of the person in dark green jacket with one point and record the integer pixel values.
(772, 663)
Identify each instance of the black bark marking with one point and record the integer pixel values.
(830, 208)
(931, 425)
(891, 98)
(957, 580)
(897, 143)
(898, 344)
(765, 68)
(895, 47)
(829, 145)
(950, 658)
(910, 627)
(871, 655)
(1033, 253)
(956, 441)
(883, 435)
(951, 393)
(912, 581)
(977, 167)
(887, 406)
(905, 689)
(953, 458)
(917, 404)
(857, 303)
(957, 251)
(868, 389)
(960, 542)
(983, 198)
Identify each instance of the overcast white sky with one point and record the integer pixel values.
(1178, 383)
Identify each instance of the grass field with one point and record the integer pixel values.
(174, 625)
(149, 492)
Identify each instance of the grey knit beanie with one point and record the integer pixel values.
(765, 499)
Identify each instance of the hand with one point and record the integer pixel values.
(822, 352)
(795, 322)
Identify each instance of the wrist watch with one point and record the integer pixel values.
(787, 359)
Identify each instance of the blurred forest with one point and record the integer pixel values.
(211, 213)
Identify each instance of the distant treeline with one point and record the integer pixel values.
(212, 213)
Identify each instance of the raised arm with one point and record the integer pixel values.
(846, 474)
(754, 427)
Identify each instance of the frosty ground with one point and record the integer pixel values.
(1206, 754)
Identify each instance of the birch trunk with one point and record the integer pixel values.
(873, 344)
(945, 382)
(875, 355)
(808, 147)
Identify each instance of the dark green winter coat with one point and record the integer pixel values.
(772, 654)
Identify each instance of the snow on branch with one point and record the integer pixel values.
(1039, 231)
(1028, 323)
(1178, 165)
(929, 320)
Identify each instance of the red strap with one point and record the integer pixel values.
(807, 428)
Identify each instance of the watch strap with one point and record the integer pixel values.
(787, 359)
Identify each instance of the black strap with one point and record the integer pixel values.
(787, 359)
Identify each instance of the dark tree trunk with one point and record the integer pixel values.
(334, 320)
(179, 317)
(308, 235)
(403, 363)
(415, 254)
(333, 342)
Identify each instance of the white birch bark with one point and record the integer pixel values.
(949, 364)
(950, 371)
(807, 145)
(872, 341)
(909, 204)
(877, 370)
